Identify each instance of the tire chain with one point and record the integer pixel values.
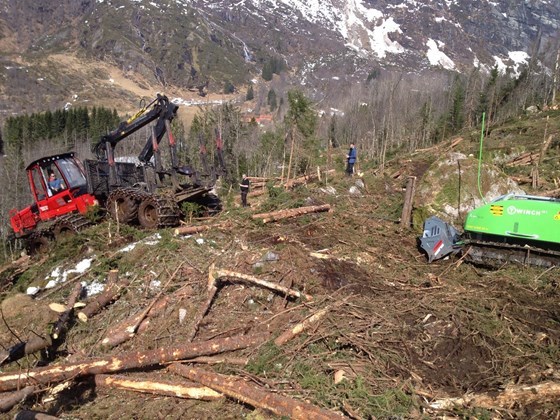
(74, 221)
(167, 209)
(135, 194)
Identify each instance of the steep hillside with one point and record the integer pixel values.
(181, 44)
(394, 336)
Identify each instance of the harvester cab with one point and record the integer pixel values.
(58, 186)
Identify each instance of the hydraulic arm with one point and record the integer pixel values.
(160, 108)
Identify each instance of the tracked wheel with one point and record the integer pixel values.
(37, 244)
(68, 225)
(122, 206)
(155, 212)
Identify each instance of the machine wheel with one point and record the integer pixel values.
(148, 214)
(63, 231)
(37, 244)
(68, 225)
(122, 207)
(158, 211)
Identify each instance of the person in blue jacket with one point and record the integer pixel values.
(55, 184)
(351, 159)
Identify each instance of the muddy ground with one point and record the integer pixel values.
(401, 333)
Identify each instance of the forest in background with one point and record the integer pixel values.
(390, 114)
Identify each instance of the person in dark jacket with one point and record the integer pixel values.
(244, 186)
(351, 159)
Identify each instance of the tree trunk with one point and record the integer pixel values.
(285, 214)
(133, 360)
(240, 390)
(526, 394)
(167, 388)
(37, 343)
(60, 326)
(219, 273)
(301, 327)
(33, 415)
(11, 399)
(406, 215)
(129, 327)
(112, 293)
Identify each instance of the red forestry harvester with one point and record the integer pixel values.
(144, 192)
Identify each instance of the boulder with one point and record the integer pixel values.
(449, 188)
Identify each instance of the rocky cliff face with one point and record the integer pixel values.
(188, 43)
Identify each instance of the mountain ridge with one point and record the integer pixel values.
(184, 44)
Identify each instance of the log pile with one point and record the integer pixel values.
(524, 159)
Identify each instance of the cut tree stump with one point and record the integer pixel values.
(406, 215)
(240, 390)
(132, 360)
(285, 214)
(167, 388)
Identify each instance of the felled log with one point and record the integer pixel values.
(194, 391)
(133, 325)
(112, 293)
(191, 230)
(16, 267)
(132, 360)
(138, 323)
(219, 273)
(524, 159)
(20, 350)
(522, 179)
(37, 343)
(285, 214)
(526, 394)
(214, 275)
(62, 322)
(215, 360)
(306, 178)
(551, 193)
(301, 327)
(11, 399)
(33, 415)
(240, 390)
(211, 290)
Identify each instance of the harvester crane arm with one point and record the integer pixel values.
(159, 109)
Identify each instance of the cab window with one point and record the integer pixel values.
(38, 184)
(72, 173)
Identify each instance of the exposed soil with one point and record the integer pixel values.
(403, 332)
